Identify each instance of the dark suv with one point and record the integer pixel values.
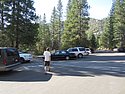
(9, 58)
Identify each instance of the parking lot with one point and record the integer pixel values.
(102, 73)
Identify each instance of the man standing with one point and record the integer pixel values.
(47, 59)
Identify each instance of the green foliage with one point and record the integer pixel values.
(114, 29)
(107, 37)
(76, 24)
(19, 22)
(56, 26)
(59, 11)
(54, 29)
(4, 40)
(92, 42)
(43, 38)
(18, 27)
(119, 23)
(104, 39)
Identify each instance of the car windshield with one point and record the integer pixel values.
(12, 52)
(63, 52)
(20, 52)
(57, 52)
(87, 49)
(74, 49)
(82, 49)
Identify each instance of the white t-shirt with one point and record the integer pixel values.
(47, 55)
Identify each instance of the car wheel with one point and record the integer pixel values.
(67, 57)
(80, 55)
(22, 60)
(87, 53)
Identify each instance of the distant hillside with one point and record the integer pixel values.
(96, 26)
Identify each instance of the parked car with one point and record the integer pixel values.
(121, 49)
(115, 49)
(9, 58)
(62, 55)
(79, 51)
(88, 50)
(25, 57)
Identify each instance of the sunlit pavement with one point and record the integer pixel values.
(95, 74)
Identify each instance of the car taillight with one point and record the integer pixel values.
(5, 61)
(16, 60)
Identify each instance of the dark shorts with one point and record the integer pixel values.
(47, 63)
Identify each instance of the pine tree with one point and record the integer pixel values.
(105, 36)
(43, 35)
(92, 43)
(59, 10)
(54, 26)
(76, 24)
(4, 10)
(1, 15)
(69, 6)
(19, 17)
(119, 23)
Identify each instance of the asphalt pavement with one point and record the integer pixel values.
(102, 73)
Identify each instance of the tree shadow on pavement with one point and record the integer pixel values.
(96, 66)
(90, 66)
(104, 58)
(24, 76)
(58, 71)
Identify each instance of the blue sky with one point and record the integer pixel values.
(98, 8)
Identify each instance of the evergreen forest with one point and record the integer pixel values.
(21, 28)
